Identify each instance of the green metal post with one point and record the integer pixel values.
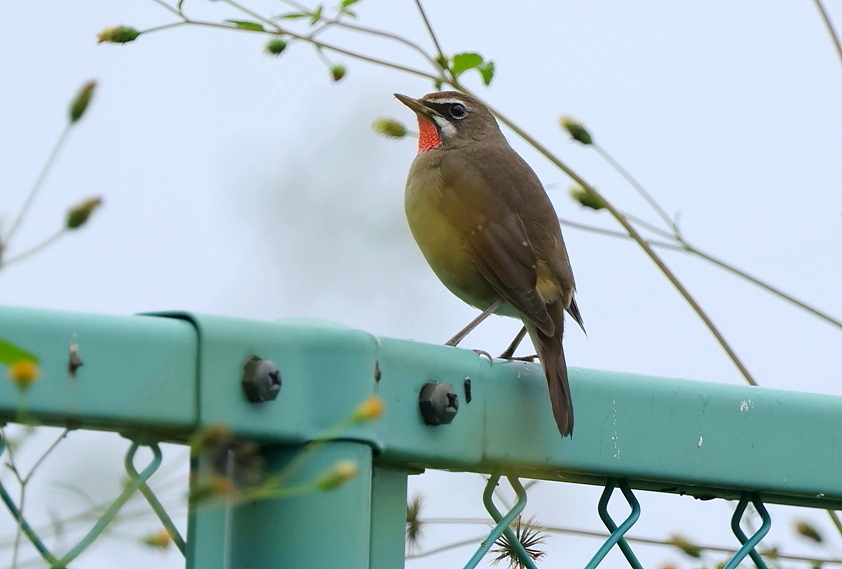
(388, 518)
(358, 525)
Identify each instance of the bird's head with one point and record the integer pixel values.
(448, 119)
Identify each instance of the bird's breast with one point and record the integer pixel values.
(440, 238)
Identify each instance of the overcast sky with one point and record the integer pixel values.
(240, 184)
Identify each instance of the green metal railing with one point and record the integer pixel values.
(163, 377)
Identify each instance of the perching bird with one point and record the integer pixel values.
(488, 229)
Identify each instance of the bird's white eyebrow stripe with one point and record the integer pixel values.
(449, 102)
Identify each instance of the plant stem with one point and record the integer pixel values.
(597, 534)
(39, 182)
(365, 30)
(635, 184)
(430, 31)
(829, 25)
(324, 45)
(48, 241)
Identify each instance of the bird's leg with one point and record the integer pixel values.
(460, 335)
(510, 351)
(509, 354)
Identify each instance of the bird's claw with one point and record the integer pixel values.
(483, 353)
(531, 358)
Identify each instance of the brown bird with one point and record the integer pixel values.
(487, 228)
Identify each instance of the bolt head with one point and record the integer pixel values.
(438, 403)
(261, 380)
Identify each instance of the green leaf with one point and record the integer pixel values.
(346, 3)
(464, 61)
(179, 4)
(487, 72)
(292, 16)
(316, 15)
(246, 25)
(10, 353)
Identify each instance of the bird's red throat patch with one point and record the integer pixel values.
(428, 135)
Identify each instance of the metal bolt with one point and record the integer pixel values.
(261, 380)
(439, 403)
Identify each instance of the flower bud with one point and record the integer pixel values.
(337, 72)
(276, 47)
(120, 34)
(369, 410)
(160, 539)
(807, 530)
(688, 548)
(82, 100)
(587, 197)
(576, 130)
(390, 128)
(78, 216)
(337, 475)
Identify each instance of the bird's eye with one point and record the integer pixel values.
(458, 110)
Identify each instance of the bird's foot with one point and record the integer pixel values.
(531, 358)
(484, 354)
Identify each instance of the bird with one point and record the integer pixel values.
(488, 230)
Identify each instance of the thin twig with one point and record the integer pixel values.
(651, 227)
(762, 284)
(168, 26)
(430, 31)
(635, 184)
(45, 243)
(324, 45)
(45, 455)
(835, 519)
(448, 547)
(687, 247)
(829, 25)
(169, 8)
(320, 52)
(39, 182)
(615, 233)
(365, 30)
(253, 14)
(14, 469)
(596, 534)
(691, 249)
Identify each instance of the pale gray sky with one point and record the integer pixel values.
(240, 184)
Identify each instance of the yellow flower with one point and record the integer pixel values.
(23, 373)
(369, 410)
(337, 475)
(160, 539)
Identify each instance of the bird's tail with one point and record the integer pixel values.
(551, 353)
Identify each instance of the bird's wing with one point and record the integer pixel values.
(496, 241)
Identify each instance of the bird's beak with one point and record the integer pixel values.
(417, 105)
